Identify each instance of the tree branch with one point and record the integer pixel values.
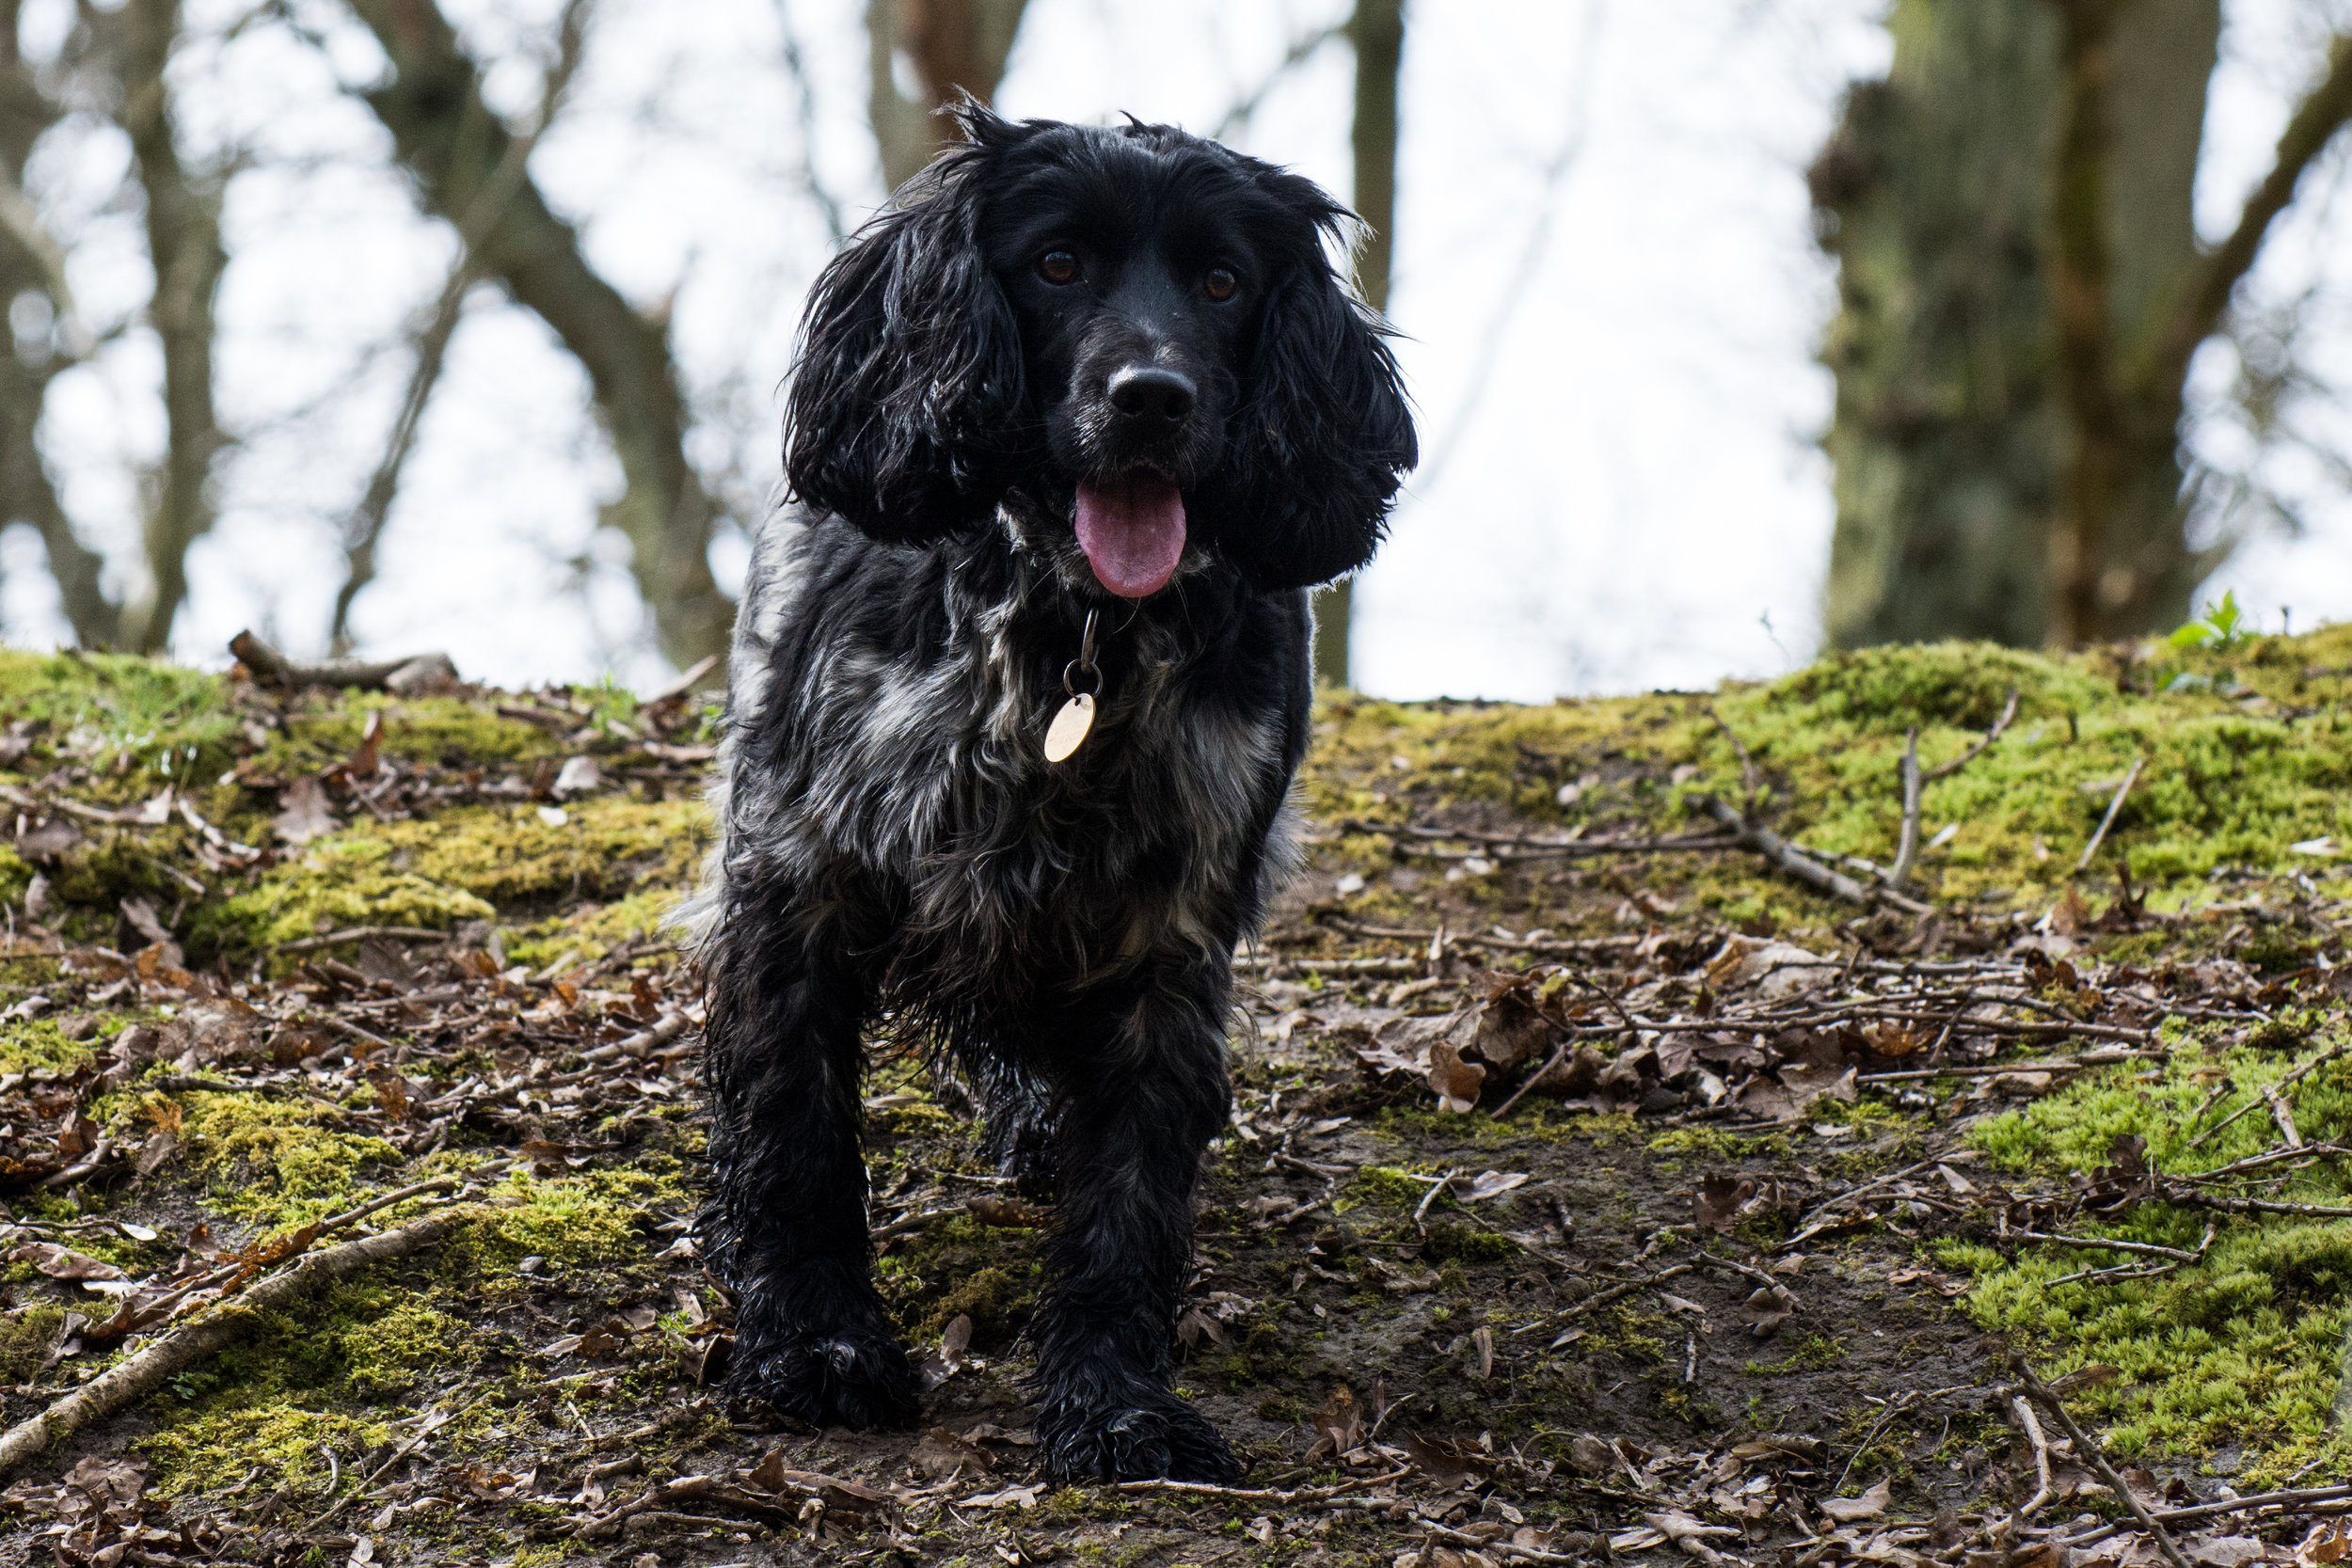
(429, 344)
(2199, 314)
(447, 138)
(183, 243)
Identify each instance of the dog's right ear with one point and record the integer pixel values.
(904, 393)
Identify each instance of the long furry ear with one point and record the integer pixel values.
(1324, 435)
(908, 382)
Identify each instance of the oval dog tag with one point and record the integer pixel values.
(1069, 726)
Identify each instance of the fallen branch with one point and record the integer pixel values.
(2207, 1511)
(400, 676)
(2145, 1248)
(2109, 820)
(1259, 1495)
(2086, 1449)
(1915, 783)
(2279, 1087)
(363, 933)
(228, 1323)
(1783, 854)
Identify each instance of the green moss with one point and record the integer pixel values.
(25, 1335)
(114, 711)
(393, 1337)
(219, 1448)
(1464, 1243)
(588, 1220)
(2221, 785)
(477, 862)
(31, 1043)
(2245, 1347)
(1811, 1353)
(271, 1161)
(1387, 1187)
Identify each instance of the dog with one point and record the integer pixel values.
(1072, 426)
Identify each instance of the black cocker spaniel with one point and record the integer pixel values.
(1073, 426)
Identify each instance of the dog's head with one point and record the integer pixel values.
(1134, 334)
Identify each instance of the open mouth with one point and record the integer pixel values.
(1133, 531)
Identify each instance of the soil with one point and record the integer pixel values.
(1704, 1291)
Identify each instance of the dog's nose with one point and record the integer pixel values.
(1151, 395)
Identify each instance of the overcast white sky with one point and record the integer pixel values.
(1604, 273)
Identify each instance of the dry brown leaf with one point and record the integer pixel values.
(304, 813)
(1715, 1203)
(1457, 1082)
(1342, 1423)
(1870, 1505)
(59, 1262)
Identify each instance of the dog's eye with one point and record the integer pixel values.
(1057, 266)
(1219, 284)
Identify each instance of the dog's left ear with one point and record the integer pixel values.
(909, 378)
(1324, 435)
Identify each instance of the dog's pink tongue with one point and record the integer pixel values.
(1133, 532)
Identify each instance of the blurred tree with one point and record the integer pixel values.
(946, 46)
(43, 322)
(116, 58)
(459, 151)
(2021, 290)
(1378, 31)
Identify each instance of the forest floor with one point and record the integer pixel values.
(1598, 1184)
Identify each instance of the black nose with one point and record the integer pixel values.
(1149, 395)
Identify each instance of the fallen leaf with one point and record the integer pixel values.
(1870, 1505)
(1715, 1203)
(580, 776)
(1457, 1082)
(1491, 1183)
(59, 1262)
(1591, 1456)
(1765, 1309)
(304, 813)
(1342, 1423)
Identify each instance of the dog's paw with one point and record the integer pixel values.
(1162, 1440)
(847, 1378)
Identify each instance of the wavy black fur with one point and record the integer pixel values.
(892, 836)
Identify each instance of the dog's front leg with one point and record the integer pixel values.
(1137, 1111)
(786, 1225)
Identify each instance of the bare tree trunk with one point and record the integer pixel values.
(951, 45)
(2021, 289)
(185, 245)
(30, 262)
(1377, 32)
(452, 144)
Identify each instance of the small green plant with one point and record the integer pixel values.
(2224, 628)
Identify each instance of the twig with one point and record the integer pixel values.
(2145, 1248)
(1945, 770)
(2109, 820)
(1785, 855)
(1602, 1298)
(2086, 1449)
(2207, 1511)
(1748, 782)
(2041, 1461)
(1441, 1184)
(1907, 845)
(2283, 1116)
(1260, 1495)
(232, 1322)
(2282, 1086)
(382, 674)
(363, 933)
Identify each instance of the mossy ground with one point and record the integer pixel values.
(1309, 1279)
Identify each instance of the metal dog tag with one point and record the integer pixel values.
(1069, 727)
